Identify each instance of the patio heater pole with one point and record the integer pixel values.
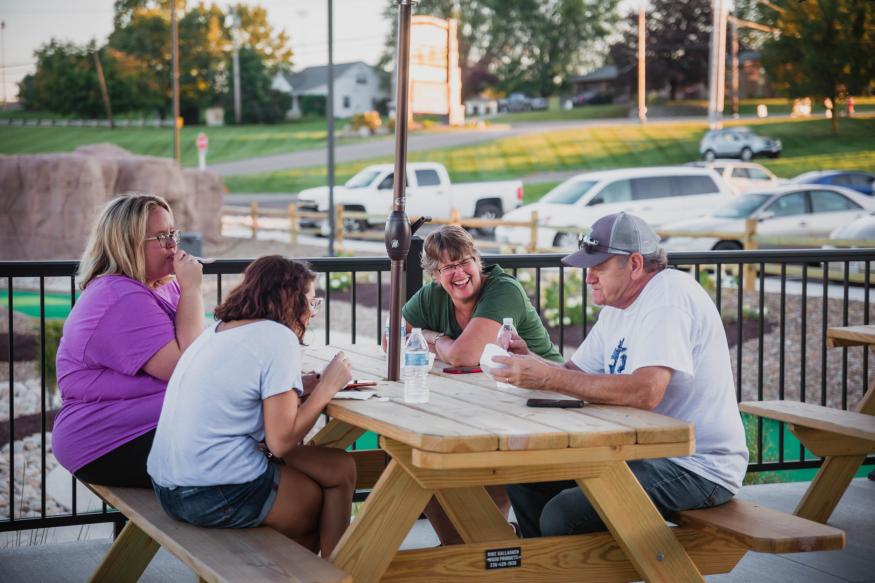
(398, 230)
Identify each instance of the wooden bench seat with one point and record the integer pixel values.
(763, 529)
(233, 555)
(842, 438)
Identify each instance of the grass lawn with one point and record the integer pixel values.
(226, 143)
(808, 145)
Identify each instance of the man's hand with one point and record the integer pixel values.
(518, 345)
(522, 371)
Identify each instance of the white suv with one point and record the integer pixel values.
(741, 176)
(658, 195)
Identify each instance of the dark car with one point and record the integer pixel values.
(855, 179)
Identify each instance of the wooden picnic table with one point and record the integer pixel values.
(842, 438)
(471, 434)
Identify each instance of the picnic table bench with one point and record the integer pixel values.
(214, 554)
(842, 438)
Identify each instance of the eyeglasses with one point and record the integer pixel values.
(451, 267)
(166, 240)
(315, 304)
(590, 246)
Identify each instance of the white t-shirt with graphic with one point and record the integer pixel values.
(673, 323)
(212, 420)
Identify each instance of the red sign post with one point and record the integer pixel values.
(202, 144)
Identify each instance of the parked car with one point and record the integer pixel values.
(861, 229)
(784, 211)
(737, 142)
(741, 176)
(539, 103)
(657, 194)
(515, 102)
(429, 192)
(858, 180)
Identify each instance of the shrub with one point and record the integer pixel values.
(54, 330)
(368, 119)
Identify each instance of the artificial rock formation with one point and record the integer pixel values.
(48, 202)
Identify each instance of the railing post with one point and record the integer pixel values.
(533, 233)
(293, 223)
(412, 268)
(338, 226)
(455, 218)
(750, 231)
(253, 214)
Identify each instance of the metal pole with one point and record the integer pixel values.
(712, 66)
(398, 231)
(235, 60)
(642, 86)
(329, 111)
(174, 66)
(104, 93)
(3, 59)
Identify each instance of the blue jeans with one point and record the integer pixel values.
(230, 506)
(560, 508)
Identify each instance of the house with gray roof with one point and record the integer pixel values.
(358, 87)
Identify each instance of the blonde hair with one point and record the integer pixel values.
(115, 246)
(450, 241)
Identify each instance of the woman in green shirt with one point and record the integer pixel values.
(461, 311)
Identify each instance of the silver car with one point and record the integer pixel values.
(737, 142)
(793, 211)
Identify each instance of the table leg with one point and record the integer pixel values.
(371, 541)
(337, 434)
(475, 515)
(834, 476)
(638, 527)
(128, 557)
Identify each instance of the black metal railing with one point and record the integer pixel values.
(800, 286)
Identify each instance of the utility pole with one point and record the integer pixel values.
(735, 83)
(235, 59)
(717, 67)
(174, 67)
(329, 111)
(103, 91)
(3, 60)
(642, 86)
(721, 61)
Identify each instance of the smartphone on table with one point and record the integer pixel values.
(557, 403)
(462, 369)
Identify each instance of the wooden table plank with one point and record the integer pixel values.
(848, 423)
(851, 336)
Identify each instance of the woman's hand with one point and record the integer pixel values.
(189, 271)
(337, 374)
(310, 380)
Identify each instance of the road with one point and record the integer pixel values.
(374, 148)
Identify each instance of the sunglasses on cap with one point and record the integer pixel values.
(590, 246)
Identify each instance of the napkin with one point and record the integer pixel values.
(490, 351)
(358, 394)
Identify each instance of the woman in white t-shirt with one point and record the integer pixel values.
(239, 386)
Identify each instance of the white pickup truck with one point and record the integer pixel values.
(429, 192)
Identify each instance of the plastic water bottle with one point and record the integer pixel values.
(403, 337)
(505, 335)
(416, 368)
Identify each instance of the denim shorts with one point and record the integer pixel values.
(231, 506)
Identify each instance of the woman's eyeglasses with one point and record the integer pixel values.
(451, 267)
(590, 246)
(315, 304)
(166, 240)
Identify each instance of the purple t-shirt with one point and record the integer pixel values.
(116, 327)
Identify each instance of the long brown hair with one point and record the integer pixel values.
(273, 288)
(115, 246)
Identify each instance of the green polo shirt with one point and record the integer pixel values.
(431, 308)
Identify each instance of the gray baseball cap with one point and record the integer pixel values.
(616, 234)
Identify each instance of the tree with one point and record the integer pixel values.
(825, 49)
(262, 103)
(677, 44)
(521, 45)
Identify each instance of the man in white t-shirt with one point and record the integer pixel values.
(659, 345)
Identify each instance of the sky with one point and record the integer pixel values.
(359, 30)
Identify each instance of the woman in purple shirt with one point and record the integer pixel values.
(123, 339)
